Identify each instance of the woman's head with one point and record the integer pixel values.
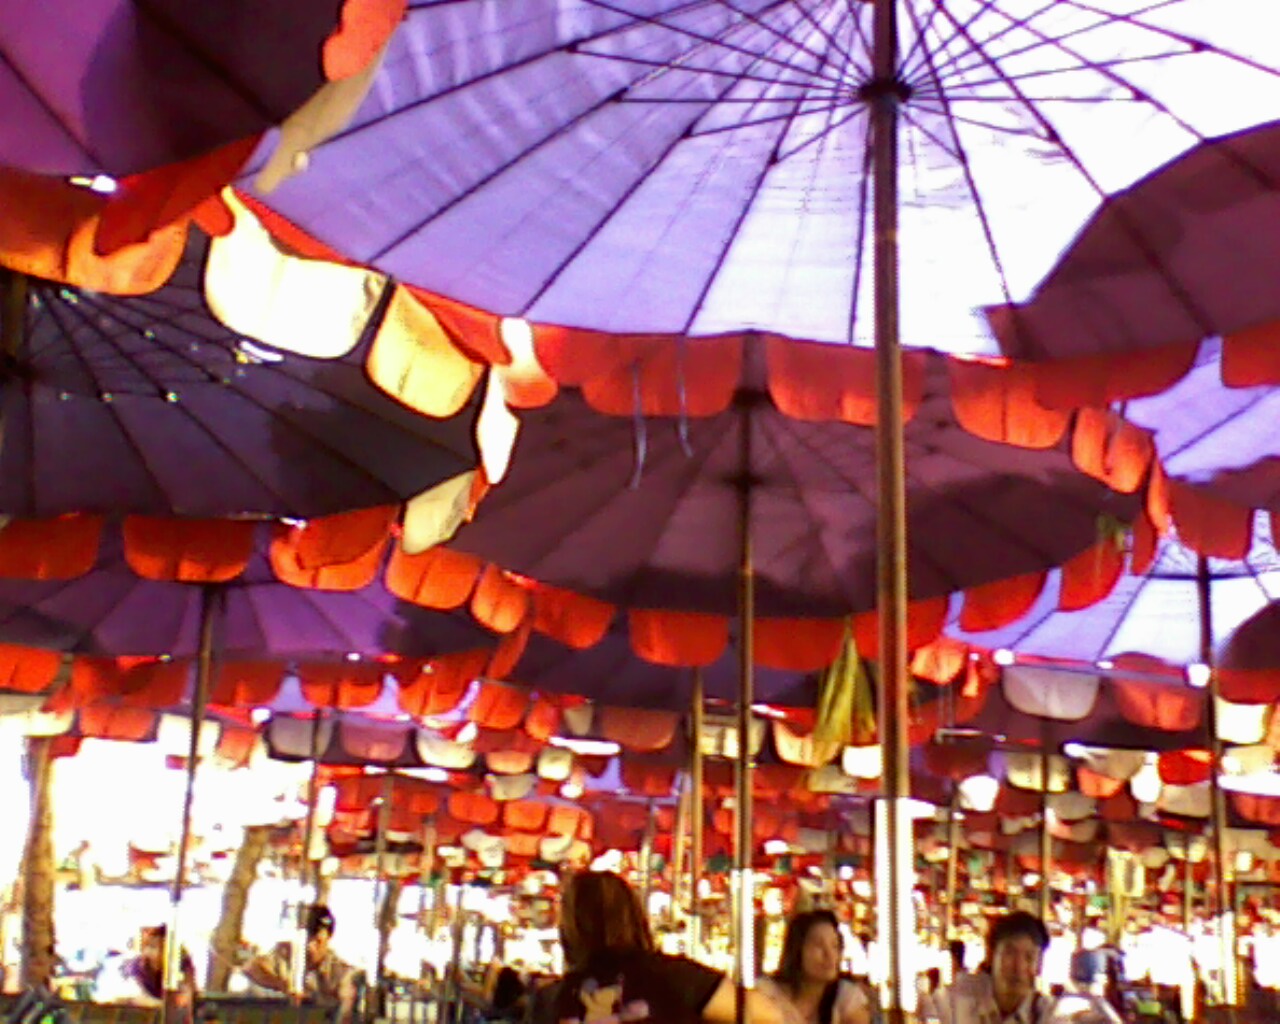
(811, 949)
(598, 912)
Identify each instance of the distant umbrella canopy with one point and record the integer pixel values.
(666, 167)
(647, 512)
(150, 405)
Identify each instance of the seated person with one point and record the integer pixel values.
(139, 980)
(1004, 991)
(326, 978)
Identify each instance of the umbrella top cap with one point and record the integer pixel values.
(877, 89)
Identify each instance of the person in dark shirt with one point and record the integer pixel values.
(616, 976)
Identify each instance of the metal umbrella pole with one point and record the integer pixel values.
(646, 857)
(424, 883)
(1218, 807)
(744, 917)
(212, 600)
(679, 849)
(1046, 837)
(885, 93)
(697, 816)
(953, 865)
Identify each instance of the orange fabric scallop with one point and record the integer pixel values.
(648, 779)
(1154, 705)
(940, 662)
(681, 639)
(436, 578)
(442, 683)
(246, 683)
(499, 602)
(1096, 785)
(672, 376)
(344, 685)
(473, 808)
(797, 645)
(27, 670)
(49, 549)
(525, 815)
(523, 844)
(998, 403)
(1261, 810)
(235, 746)
(477, 334)
(575, 620)
(510, 649)
(997, 604)
(1111, 449)
(169, 195)
(638, 729)
(107, 722)
(48, 231)
(343, 538)
(543, 720)
(565, 821)
(1185, 767)
(1252, 357)
(1143, 554)
(1097, 381)
(1208, 524)
(498, 707)
(810, 381)
(957, 760)
(128, 682)
(1017, 803)
(350, 576)
(364, 26)
(1249, 686)
(1091, 575)
(925, 620)
(509, 762)
(1157, 506)
(187, 550)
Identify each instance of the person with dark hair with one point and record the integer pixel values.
(956, 950)
(326, 977)
(615, 972)
(807, 984)
(1004, 991)
(140, 979)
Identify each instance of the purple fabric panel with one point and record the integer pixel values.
(118, 87)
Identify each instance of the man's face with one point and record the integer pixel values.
(1015, 966)
(318, 945)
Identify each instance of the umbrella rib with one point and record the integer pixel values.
(1210, 430)
(966, 169)
(1177, 292)
(1114, 631)
(235, 457)
(716, 41)
(850, 61)
(588, 237)
(128, 437)
(54, 115)
(860, 236)
(777, 33)
(168, 26)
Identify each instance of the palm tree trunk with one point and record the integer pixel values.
(235, 897)
(38, 869)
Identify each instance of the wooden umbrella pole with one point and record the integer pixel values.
(679, 849)
(1218, 807)
(646, 857)
(211, 606)
(380, 885)
(745, 890)
(424, 883)
(308, 876)
(1188, 893)
(1046, 837)
(885, 92)
(697, 817)
(953, 865)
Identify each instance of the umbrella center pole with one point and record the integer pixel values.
(697, 819)
(744, 916)
(211, 607)
(896, 885)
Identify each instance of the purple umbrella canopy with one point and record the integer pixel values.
(1155, 614)
(111, 610)
(150, 405)
(646, 513)
(119, 86)
(659, 166)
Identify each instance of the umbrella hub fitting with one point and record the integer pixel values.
(879, 89)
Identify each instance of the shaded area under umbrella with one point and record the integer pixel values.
(151, 405)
